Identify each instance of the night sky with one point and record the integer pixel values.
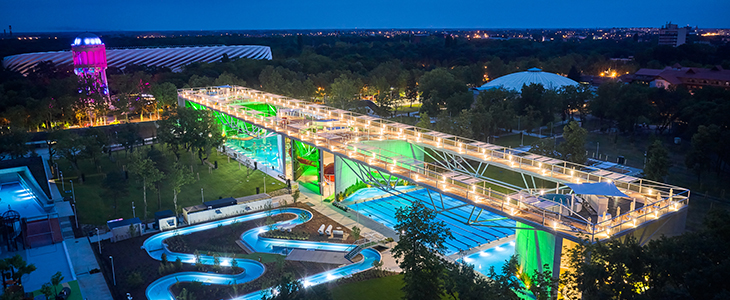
(150, 15)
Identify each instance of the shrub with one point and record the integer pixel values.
(134, 279)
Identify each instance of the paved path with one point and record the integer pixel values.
(347, 219)
(93, 286)
(350, 219)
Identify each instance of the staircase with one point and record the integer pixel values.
(67, 228)
(354, 252)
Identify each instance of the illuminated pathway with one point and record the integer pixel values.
(160, 288)
(457, 172)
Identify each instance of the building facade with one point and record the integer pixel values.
(673, 35)
(690, 78)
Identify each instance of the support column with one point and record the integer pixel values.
(282, 150)
(320, 174)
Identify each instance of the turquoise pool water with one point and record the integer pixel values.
(160, 288)
(15, 196)
(493, 257)
(453, 213)
(265, 151)
(367, 193)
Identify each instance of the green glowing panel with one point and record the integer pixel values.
(395, 149)
(267, 109)
(535, 248)
(256, 143)
(306, 166)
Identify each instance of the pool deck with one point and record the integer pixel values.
(93, 286)
(349, 219)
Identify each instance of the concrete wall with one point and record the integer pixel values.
(122, 233)
(164, 223)
(228, 211)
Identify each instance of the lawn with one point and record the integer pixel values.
(384, 288)
(95, 205)
(513, 141)
(379, 288)
(73, 285)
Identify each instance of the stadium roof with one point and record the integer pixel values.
(172, 57)
(515, 81)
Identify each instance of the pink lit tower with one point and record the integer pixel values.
(89, 55)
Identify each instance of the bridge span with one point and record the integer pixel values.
(538, 192)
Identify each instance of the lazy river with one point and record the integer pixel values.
(160, 288)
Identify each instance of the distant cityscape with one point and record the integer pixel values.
(641, 34)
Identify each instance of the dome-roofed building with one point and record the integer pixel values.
(86, 39)
(515, 81)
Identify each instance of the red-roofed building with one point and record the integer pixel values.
(691, 78)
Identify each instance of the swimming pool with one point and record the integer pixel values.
(13, 195)
(452, 212)
(368, 193)
(494, 257)
(264, 150)
(160, 288)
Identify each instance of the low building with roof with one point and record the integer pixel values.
(516, 81)
(122, 229)
(676, 75)
(228, 207)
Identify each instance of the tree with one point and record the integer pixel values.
(345, 92)
(128, 136)
(665, 268)
(47, 290)
(441, 89)
(574, 73)
(190, 129)
(288, 288)
(229, 79)
(145, 168)
(544, 147)
(177, 178)
(698, 159)
(424, 121)
(13, 143)
(462, 282)
(115, 186)
(17, 268)
(94, 142)
(421, 242)
(574, 147)
(166, 95)
(657, 162)
(356, 232)
(56, 280)
(69, 146)
(185, 295)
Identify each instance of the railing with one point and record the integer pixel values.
(433, 175)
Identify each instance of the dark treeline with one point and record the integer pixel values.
(339, 70)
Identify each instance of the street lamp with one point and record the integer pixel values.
(73, 192)
(63, 184)
(202, 198)
(134, 213)
(114, 275)
(98, 240)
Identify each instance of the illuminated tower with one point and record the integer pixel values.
(89, 55)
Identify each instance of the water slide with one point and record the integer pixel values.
(160, 288)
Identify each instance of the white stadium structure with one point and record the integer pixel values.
(172, 57)
(515, 81)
